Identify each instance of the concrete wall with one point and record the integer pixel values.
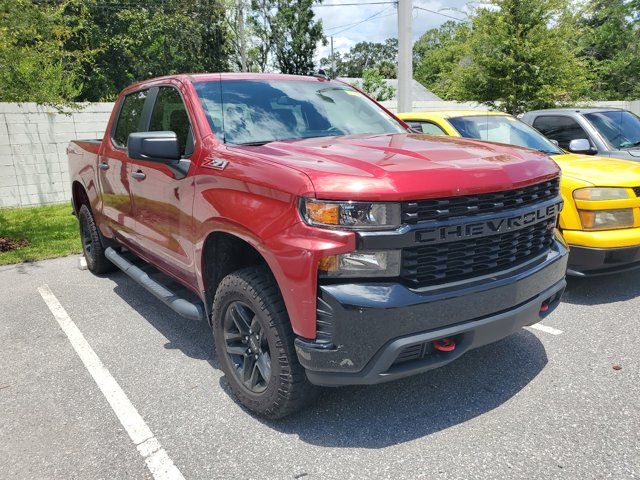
(436, 105)
(33, 142)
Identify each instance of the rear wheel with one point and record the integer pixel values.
(92, 247)
(254, 344)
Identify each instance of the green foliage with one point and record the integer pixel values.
(516, 56)
(34, 65)
(610, 43)
(295, 36)
(133, 43)
(374, 84)
(362, 56)
(437, 54)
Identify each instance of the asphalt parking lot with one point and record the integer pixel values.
(541, 404)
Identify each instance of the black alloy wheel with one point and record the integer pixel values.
(247, 347)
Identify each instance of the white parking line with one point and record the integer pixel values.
(156, 458)
(546, 329)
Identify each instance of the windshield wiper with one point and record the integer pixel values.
(253, 144)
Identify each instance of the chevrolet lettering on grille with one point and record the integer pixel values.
(451, 233)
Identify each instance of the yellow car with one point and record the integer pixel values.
(601, 216)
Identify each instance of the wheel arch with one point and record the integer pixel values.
(79, 196)
(224, 252)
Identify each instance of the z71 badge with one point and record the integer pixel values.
(215, 163)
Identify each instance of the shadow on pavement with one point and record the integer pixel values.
(396, 412)
(379, 415)
(191, 337)
(603, 289)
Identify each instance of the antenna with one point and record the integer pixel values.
(224, 134)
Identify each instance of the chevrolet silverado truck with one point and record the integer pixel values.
(600, 220)
(324, 242)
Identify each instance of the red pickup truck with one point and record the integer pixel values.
(328, 244)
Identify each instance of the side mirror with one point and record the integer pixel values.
(162, 147)
(580, 145)
(555, 142)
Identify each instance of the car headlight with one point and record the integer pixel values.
(606, 219)
(384, 263)
(600, 193)
(352, 215)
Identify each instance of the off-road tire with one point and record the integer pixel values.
(288, 389)
(92, 247)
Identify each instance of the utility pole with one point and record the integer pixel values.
(242, 48)
(405, 55)
(333, 60)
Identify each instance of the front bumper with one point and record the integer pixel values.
(382, 331)
(587, 261)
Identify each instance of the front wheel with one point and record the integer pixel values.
(254, 344)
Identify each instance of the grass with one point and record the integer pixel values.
(51, 231)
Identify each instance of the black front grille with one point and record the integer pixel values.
(637, 191)
(439, 209)
(460, 260)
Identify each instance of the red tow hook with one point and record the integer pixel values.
(544, 307)
(444, 344)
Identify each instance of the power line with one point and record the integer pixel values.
(355, 24)
(440, 13)
(353, 4)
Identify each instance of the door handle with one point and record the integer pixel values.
(139, 175)
(103, 166)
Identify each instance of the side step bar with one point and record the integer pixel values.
(181, 306)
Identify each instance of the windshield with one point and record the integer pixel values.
(503, 129)
(620, 127)
(254, 112)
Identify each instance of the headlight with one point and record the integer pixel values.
(606, 219)
(600, 193)
(361, 264)
(353, 215)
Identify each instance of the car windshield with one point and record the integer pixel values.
(503, 129)
(255, 112)
(620, 127)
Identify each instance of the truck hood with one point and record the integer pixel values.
(407, 166)
(600, 171)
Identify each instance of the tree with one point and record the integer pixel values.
(365, 55)
(437, 53)
(375, 85)
(262, 19)
(132, 43)
(34, 66)
(295, 35)
(517, 57)
(610, 44)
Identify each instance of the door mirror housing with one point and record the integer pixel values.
(580, 145)
(161, 147)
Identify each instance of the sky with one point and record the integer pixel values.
(379, 22)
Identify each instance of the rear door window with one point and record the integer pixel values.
(560, 128)
(170, 114)
(129, 117)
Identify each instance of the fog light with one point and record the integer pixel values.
(361, 264)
